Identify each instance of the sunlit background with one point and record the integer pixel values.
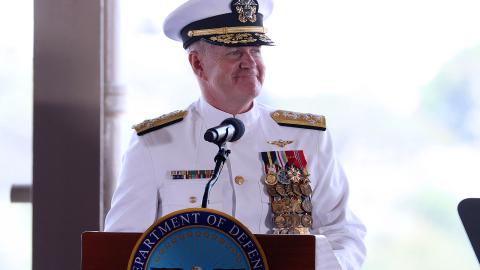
(16, 108)
(399, 82)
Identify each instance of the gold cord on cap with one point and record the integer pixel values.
(226, 30)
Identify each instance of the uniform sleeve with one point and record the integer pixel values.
(331, 215)
(135, 201)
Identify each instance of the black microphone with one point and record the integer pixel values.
(230, 130)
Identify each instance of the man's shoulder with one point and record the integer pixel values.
(299, 120)
(160, 122)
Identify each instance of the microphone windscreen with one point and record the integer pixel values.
(238, 125)
(210, 135)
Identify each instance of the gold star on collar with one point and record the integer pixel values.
(280, 143)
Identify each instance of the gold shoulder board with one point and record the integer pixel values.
(300, 120)
(159, 122)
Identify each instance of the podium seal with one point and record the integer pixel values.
(197, 239)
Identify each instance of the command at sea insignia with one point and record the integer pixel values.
(159, 122)
(301, 120)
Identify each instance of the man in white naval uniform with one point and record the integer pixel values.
(166, 165)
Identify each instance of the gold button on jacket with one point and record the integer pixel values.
(239, 180)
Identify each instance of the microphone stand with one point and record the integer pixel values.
(219, 159)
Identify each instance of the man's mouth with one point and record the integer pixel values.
(245, 75)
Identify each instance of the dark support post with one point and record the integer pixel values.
(67, 129)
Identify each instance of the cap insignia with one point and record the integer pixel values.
(159, 122)
(301, 120)
(246, 10)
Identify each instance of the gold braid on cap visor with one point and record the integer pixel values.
(227, 30)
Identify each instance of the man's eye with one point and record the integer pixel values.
(234, 53)
(256, 52)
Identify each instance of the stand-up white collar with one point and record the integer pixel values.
(213, 116)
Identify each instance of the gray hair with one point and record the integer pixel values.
(199, 46)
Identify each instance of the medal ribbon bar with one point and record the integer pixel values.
(287, 183)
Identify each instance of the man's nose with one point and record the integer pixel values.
(247, 60)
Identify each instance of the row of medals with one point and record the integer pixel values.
(290, 192)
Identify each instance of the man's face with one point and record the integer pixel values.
(232, 74)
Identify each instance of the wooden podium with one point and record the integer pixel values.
(111, 251)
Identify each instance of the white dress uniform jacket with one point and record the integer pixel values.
(146, 191)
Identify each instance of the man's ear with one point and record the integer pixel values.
(195, 62)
